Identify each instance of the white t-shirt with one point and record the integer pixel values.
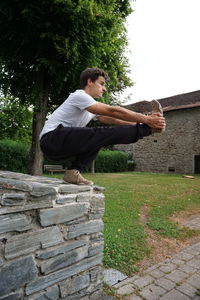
(72, 113)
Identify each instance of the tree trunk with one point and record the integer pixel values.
(93, 167)
(39, 116)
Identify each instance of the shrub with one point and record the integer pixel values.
(14, 156)
(111, 161)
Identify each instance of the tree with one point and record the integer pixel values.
(15, 120)
(44, 45)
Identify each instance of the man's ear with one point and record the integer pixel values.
(89, 82)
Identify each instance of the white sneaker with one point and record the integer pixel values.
(75, 177)
(157, 108)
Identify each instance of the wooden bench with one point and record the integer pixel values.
(54, 168)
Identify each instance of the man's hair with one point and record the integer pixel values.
(93, 74)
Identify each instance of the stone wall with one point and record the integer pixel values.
(51, 243)
(172, 151)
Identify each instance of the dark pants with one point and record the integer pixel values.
(83, 143)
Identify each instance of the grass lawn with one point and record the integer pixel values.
(126, 193)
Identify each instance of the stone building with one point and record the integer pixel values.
(178, 148)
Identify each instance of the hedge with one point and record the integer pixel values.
(111, 161)
(14, 157)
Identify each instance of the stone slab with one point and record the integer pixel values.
(28, 242)
(62, 214)
(16, 274)
(28, 206)
(60, 250)
(112, 276)
(85, 228)
(14, 222)
(12, 199)
(73, 188)
(174, 295)
(64, 260)
(152, 292)
(51, 293)
(48, 280)
(74, 284)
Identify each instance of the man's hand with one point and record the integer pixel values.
(156, 121)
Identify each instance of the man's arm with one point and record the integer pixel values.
(117, 112)
(114, 121)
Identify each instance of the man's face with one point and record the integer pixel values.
(97, 88)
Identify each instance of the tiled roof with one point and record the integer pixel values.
(181, 101)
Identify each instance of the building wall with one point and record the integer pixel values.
(172, 151)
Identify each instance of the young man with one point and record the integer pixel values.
(65, 133)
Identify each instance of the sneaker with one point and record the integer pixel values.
(157, 108)
(75, 177)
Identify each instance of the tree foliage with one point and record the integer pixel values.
(44, 45)
(15, 120)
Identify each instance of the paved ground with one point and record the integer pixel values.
(177, 278)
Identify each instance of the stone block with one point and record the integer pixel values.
(176, 276)
(51, 293)
(26, 207)
(73, 188)
(61, 249)
(13, 184)
(96, 214)
(28, 242)
(97, 201)
(63, 199)
(16, 274)
(14, 222)
(165, 283)
(62, 214)
(174, 295)
(143, 281)
(100, 295)
(41, 189)
(95, 248)
(126, 289)
(96, 273)
(152, 292)
(64, 260)
(82, 295)
(12, 296)
(12, 199)
(85, 228)
(84, 197)
(74, 284)
(48, 280)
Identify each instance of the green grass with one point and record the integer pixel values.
(126, 193)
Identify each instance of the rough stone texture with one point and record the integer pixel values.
(64, 260)
(52, 242)
(45, 281)
(180, 140)
(88, 227)
(60, 250)
(62, 214)
(16, 222)
(74, 284)
(16, 274)
(29, 242)
(51, 293)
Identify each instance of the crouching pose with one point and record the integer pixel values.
(65, 134)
